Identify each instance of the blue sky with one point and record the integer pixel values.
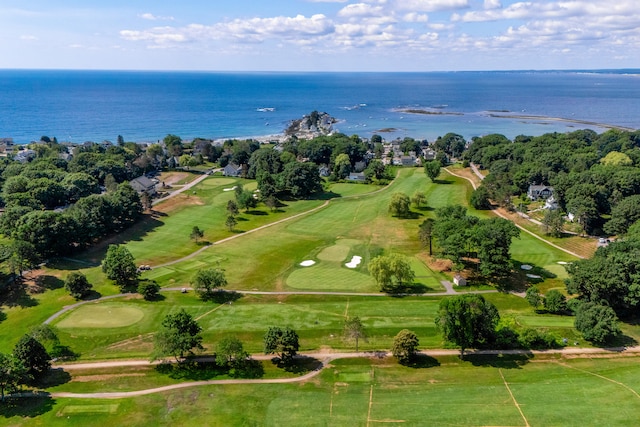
(320, 35)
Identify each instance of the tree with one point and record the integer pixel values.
(11, 374)
(399, 205)
(425, 233)
(533, 296)
(231, 222)
(232, 208)
(206, 282)
(625, 213)
(555, 302)
(230, 352)
(271, 202)
(597, 323)
(301, 179)
(392, 272)
(354, 330)
(480, 198)
(77, 285)
(467, 320)
(179, 336)
(419, 199)
(405, 346)
(196, 233)
(281, 341)
(149, 289)
(342, 166)
(432, 169)
(493, 237)
(31, 354)
(120, 267)
(553, 223)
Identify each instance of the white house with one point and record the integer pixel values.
(458, 280)
(536, 192)
(232, 170)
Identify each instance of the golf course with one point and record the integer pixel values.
(304, 264)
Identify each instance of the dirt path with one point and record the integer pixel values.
(324, 357)
(501, 215)
(182, 190)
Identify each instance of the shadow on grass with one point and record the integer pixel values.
(622, 341)
(444, 182)
(14, 294)
(224, 297)
(48, 282)
(201, 370)
(421, 361)
(27, 406)
(92, 295)
(298, 365)
(3, 316)
(55, 377)
(256, 213)
(503, 361)
(408, 290)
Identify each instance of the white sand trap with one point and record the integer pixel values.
(230, 189)
(355, 261)
(307, 263)
(563, 262)
(534, 276)
(526, 267)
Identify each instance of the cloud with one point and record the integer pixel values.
(152, 17)
(360, 10)
(415, 17)
(492, 4)
(28, 37)
(431, 5)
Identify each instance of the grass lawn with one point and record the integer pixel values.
(443, 391)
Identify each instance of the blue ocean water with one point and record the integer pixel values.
(78, 106)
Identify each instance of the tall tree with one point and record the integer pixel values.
(281, 341)
(399, 205)
(467, 320)
(354, 330)
(230, 352)
(425, 234)
(392, 272)
(405, 345)
(120, 267)
(493, 239)
(419, 199)
(11, 374)
(206, 282)
(77, 285)
(553, 222)
(31, 354)
(231, 222)
(597, 323)
(432, 169)
(196, 233)
(179, 336)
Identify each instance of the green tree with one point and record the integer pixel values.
(301, 179)
(405, 345)
(533, 296)
(419, 199)
(281, 341)
(597, 323)
(342, 166)
(196, 233)
(625, 213)
(180, 335)
(492, 238)
(11, 374)
(231, 222)
(271, 202)
(553, 222)
(425, 234)
(354, 330)
(120, 267)
(77, 285)
(207, 282)
(392, 272)
(399, 205)
(467, 320)
(432, 169)
(555, 301)
(232, 208)
(230, 352)
(480, 198)
(149, 289)
(31, 354)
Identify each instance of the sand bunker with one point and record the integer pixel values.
(229, 189)
(355, 261)
(534, 276)
(526, 267)
(307, 263)
(563, 262)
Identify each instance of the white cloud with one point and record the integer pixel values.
(28, 37)
(360, 10)
(431, 5)
(152, 17)
(415, 17)
(492, 4)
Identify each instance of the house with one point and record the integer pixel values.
(536, 192)
(142, 184)
(324, 170)
(429, 154)
(232, 170)
(458, 280)
(357, 176)
(360, 166)
(23, 156)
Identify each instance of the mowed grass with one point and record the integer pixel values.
(442, 391)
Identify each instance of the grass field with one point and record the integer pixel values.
(442, 391)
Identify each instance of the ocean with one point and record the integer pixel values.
(144, 106)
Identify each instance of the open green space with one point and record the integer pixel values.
(441, 391)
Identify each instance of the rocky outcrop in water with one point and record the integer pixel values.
(311, 125)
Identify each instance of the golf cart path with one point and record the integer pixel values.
(323, 357)
(501, 215)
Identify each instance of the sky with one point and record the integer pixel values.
(320, 35)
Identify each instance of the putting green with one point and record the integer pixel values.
(338, 252)
(330, 277)
(101, 316)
